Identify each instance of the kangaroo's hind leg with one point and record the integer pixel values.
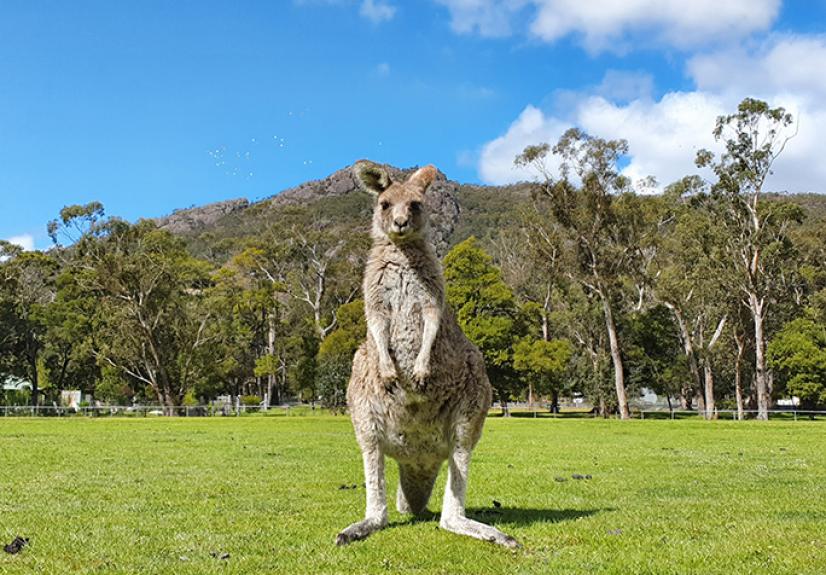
(375, 516)
(453, 508)
(415, 486)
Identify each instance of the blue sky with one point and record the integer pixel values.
(151, 106)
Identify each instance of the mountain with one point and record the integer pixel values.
(457, 212)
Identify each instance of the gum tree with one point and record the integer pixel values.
(757, 246)
(603, 223)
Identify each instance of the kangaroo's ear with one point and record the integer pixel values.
(422, 178)
(371, 177)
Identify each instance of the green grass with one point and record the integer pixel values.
(160, 496)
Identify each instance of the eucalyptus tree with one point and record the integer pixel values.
(690, 281)
(150, 322)
(27, 289)
(314, 265)
(578, 317)
(605, 225)
(757, 246)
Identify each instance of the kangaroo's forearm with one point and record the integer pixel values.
(432, 319)
(379, 329)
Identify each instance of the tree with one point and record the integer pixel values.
(335, 354)
(690, 282)
(543, 363)
(757, 242)
(486, 310)
(150, 322)
(604, 224)
(653, 352)
(798, 354)
(27, 289)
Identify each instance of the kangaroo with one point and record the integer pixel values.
(418, 391)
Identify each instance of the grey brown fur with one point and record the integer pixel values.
(418, 391)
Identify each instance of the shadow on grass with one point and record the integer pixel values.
(528, 516)
(511, 515)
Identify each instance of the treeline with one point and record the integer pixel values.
(712, 294)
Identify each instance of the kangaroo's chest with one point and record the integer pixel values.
(403, 293)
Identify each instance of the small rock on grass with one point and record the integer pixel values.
(219, 555)
(496, 504)
(17, 545)
(580, 476)
(561, 479)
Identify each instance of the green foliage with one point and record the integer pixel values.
(544, 363)
(335, 354)
(486, 309)
(250, 400)
(798, 354)
(653, 352)
(113, 388)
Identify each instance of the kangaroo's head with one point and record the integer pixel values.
(399, 212)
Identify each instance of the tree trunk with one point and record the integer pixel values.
(554, 401)
(761, 380)
(738, 383)
(691, 356)
(699, 401)
(710, 411)
(616, 358)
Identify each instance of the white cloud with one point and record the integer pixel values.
(25, 241)
(625, 86)
(377, 11)
(664, 134)
(383, 69)
(489, 18)
(783, 64)
(531, 127)
(608, 24)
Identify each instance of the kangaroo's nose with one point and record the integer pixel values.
(400, 222)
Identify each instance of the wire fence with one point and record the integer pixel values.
(145, 411)
(299, 410)
(637, 412)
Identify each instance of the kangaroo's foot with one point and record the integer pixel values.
(361, 530)
(471, 528)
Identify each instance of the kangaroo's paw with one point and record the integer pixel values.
(387, 370)
(360, 530)
(421, 369)
(471, 528)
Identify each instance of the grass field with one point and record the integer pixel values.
(164, 496)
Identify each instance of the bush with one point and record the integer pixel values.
(250, 400)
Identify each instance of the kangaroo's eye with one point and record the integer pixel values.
(415, 206)
(385, 205)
